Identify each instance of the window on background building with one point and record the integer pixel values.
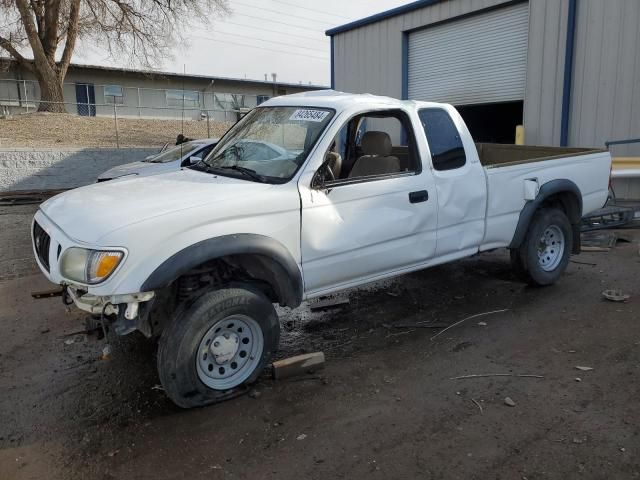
(262, 98)
(114, 94)
(175, 98)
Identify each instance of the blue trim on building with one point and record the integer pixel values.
(568, 73)
(333, 66)
(381, 16)
(405, 66)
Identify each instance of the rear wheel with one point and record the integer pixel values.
(216, 344)
(544, 254)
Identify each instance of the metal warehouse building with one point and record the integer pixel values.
(568, 70)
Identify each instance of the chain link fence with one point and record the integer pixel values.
(116, 116)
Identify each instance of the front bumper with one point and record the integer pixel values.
(108, 305)
(47, 255)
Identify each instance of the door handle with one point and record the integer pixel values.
(419, 196)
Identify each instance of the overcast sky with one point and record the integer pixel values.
(285, 37)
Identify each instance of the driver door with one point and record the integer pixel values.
(363, 227)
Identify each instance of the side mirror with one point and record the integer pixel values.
(195, 159)
(323, 175)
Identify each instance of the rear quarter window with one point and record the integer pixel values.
(447, 151)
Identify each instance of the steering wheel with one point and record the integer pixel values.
(330, 172)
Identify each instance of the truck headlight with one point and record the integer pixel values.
(89, 266)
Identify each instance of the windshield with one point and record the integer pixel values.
(269, 144)
(175, 153)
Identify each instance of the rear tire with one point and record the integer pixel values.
(216, 344)
(545, 251)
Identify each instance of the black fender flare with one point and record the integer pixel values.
(285, 275)
(573, 209)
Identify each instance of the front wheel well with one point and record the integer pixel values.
(260, 271)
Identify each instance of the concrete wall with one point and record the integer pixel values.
(27, 169)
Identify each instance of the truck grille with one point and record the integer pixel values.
(41, 241)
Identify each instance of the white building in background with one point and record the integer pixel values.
(93, 90)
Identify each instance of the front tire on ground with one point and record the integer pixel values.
(545, 251)
(216, 344)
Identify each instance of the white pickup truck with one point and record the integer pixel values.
(372, 187)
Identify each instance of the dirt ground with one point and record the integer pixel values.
(54, 130)
(386, 405)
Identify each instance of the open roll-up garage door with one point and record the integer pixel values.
(475, 60)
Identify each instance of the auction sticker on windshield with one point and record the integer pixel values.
(309, 115)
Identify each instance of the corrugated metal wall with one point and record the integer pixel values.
(545, 71)
(606, 80)
(369, 59)
(605, 101)
(478, 59)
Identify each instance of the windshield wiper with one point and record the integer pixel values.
(205, 167)
(247, 172)
(200, 166)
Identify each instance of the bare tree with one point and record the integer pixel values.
(41, 35)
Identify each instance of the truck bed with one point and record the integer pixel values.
(494, 155)
(511, 165)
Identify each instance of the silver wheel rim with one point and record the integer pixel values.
(551, 248)
(229, 352)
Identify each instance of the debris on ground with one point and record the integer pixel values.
(302, 436)
(598, 241)
(509, 402)
(254, 394)
(482, 324)
(584, 369)
(428, 324)
(578, 379)
(478, 405)
(469, 318)
(594, 249)
(40, 294)
(298, 365)
(106, 353)
(584, 263)
(482, 375)
(69, 341)
(158, 387)
(615, 295)
(399, 333)
(324, 304)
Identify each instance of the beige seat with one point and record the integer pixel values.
(376, 147)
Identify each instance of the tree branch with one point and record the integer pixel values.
(6, 45)
(38, 8)
(32, 34)
(51, 22)
(70, 42)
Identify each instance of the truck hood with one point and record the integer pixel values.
(88, 213)
(139, 168)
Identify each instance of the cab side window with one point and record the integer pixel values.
(447, 151)
(373, 145)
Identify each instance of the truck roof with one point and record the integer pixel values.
(341, 100)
